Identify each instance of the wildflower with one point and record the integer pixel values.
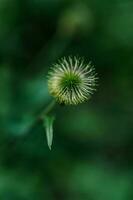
(72, 82)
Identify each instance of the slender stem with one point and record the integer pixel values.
(48, 109)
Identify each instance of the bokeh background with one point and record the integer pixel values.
(92, 153)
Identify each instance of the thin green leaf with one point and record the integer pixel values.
(48, 124)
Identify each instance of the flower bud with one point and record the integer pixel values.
(71, 82)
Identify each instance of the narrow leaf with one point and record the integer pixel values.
(48, 124)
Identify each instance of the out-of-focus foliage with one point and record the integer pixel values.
(91, 158)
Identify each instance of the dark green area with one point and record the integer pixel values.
(70, 80)
(91, 156)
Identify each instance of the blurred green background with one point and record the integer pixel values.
(91, 157)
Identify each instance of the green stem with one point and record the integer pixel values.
(48, 109)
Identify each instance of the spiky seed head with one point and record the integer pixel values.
(71, 82)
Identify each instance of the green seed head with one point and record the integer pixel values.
(71, 82)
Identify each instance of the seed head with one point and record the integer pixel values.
(71, 82)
